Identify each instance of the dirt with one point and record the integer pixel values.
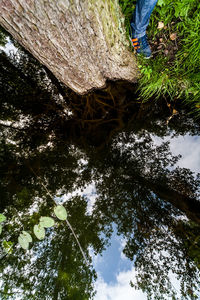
(165, 43)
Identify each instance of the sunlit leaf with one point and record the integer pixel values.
(2, 218)
(24, 243)
(46, 222)
(161, 2)
(7, 246)
(60, 212)
(39, 231)
(0, 229)
(27, 236)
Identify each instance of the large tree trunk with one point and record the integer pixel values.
(82, 42)
(188, 205)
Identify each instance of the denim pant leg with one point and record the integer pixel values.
(141, 17)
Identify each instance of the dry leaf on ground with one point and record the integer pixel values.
(160, 25)
(173, 36)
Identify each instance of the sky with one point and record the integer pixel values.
(118, 290)
(114, 272)
(188, 146)
(9, 47)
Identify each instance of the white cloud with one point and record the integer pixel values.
(9, 47)
(189, 148)
(121, 290)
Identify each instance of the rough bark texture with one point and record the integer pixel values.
(82, 42)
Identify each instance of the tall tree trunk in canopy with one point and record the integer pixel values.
(82, 42)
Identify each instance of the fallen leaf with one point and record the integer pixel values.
(160, 25)
(173, 36)
(175, 112)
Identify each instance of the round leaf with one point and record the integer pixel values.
(2, 218)
(39, 232)
(0, 229)
(23, 242)
(46, 222)
(60, 212)
(27, 236)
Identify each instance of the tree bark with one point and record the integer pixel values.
(82, 42)
(188, 205)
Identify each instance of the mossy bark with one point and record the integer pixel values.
(82, 42)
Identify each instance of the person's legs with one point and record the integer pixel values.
(141, 17)
(139, 23)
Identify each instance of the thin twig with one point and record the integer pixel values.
(75, 236)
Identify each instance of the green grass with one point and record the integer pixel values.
(174, 74)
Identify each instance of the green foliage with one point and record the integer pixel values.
(174, 75)
(2, 218)
(24, 239)
(39, 232)
(7, 246)
(127, 9)
(46, 222)
(58, 257)
(60, 212)
(190, 234)
(3, 37)
(27, 236)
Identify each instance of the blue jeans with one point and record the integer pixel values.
(141, 17)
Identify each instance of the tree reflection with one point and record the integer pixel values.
(141, 191)
(53, 268)
(52, 137)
